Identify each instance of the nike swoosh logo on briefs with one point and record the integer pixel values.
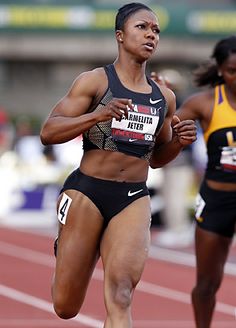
(153, 102)
(132, 140)
(132, 193)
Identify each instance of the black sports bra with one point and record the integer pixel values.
(135, 135)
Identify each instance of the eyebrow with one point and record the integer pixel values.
(154, 25)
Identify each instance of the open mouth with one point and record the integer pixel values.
(149, 46)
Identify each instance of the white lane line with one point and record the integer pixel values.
(156, 253)
(36, 323)
(44, 305)
(177, 324)
(153, 289)
(17, 323)
(136, 323)
(27, 254)
(182, 258)
(180, 296)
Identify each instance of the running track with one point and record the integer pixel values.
(162, 298)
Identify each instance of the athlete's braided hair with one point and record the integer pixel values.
(126, 11)
(207, 74)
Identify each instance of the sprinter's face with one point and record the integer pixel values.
(141, 34)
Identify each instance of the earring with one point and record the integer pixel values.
(219, 73)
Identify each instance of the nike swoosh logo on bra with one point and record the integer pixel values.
(153, 102)
(132, 193)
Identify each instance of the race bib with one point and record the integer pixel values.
(228, 159)
(199, 206)
(63, 208)
(139, 127)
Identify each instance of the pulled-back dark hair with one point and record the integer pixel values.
(207, 74)
(126, 11)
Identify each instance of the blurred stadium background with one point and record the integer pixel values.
(44, 45)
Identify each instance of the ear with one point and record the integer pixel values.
(119, 36)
